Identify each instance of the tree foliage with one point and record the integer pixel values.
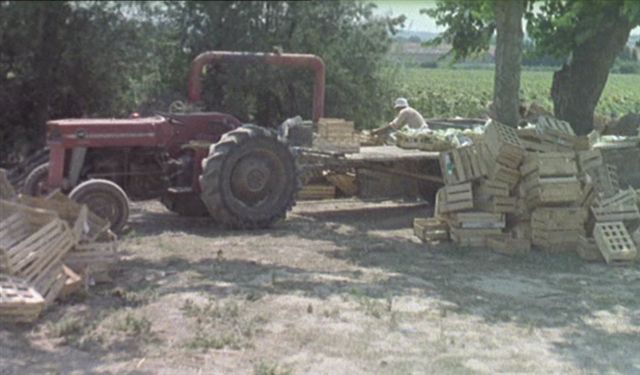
(587, 35)
(97, 58)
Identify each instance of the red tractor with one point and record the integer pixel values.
(196, 163)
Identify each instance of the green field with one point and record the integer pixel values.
(465, 92)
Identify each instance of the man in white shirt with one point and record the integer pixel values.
(406, 116)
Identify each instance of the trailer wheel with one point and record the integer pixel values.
(105, 199)
(249, 179)
(36, 182)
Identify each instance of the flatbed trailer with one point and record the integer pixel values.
(420, 166)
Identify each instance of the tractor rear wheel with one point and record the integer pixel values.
(105, 199)
(249, 179)
(36, 182)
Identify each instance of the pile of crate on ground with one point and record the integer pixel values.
(50, 248)
(541, 185)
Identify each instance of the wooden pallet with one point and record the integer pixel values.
(590, 159)
(462, 164)
(472, 237)
(614, 242)
(430, 229)
(543, 191)
(552, 164)
(507, 245)
(478, 220)
(19, 302)
(587, 249)
(456, 198)
(503, 144)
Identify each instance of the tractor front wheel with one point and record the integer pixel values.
(105, 199)
(36, 182)
(249, 179)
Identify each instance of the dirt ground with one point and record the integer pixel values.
(338, 288)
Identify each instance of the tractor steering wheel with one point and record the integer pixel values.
(178, 106)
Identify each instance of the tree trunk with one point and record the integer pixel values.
(506, 83)
(577, 87)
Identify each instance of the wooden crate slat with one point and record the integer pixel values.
(623, 198)
(478, 220)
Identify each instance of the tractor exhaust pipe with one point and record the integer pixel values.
(284, 59)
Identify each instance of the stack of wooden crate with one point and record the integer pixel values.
(540, 186)
(336, 135)
(38, 236)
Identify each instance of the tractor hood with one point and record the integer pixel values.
(147, 130)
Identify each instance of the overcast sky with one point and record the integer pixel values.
(416, 21)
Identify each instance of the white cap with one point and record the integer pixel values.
(401, 103)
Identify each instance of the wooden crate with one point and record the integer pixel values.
(462, 164)
(504, 174)
(50, 283)
(336, 136)
(542, 191)
(507, 245)
(491, 188)
(587, 249)
(619, 207)
(556, 241)
(622, 198)
(478, 220)
(345, 182)
(544, 123)
(473, 237)
(503, 144)
(317, 191)
(590, 159)
(96, 259)
(536, 144)
(616, 213)
(456, 198)
(497, 204)
(605, 179)
(32, 241)
(558, 218)
(73, 282)
(19, 302)
(552, 164)
(86, 225)
(614, 242)
(430, 229)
